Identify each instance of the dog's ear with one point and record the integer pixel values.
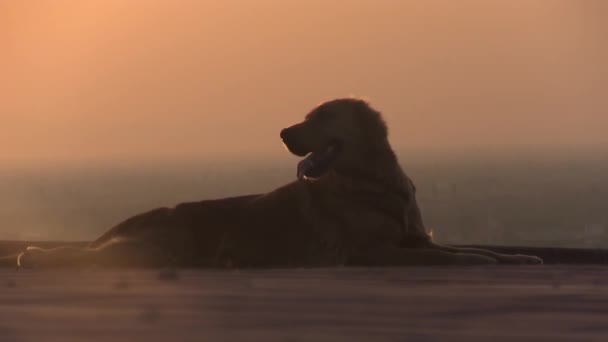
(373, 127)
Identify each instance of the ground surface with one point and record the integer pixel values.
(529, 303)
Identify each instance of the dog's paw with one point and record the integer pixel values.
(31, 258)
(521, 259)
(473, 259)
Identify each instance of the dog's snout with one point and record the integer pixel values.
(292, 132)
(285, 134)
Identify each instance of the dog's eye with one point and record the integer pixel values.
(320, 115)
(323, 116)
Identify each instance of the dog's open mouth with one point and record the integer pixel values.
(316, 164)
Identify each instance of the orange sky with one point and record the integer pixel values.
(115, 79)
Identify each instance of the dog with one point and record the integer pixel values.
(351, 204)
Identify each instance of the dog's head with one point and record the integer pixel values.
(334, 134)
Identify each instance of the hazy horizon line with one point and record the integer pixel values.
(438, 154)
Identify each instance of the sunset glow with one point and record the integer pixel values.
(191, 79)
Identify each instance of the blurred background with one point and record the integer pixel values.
(497, 109)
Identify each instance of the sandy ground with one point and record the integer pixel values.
(506, 303)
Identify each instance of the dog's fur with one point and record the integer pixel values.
(362, 211)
